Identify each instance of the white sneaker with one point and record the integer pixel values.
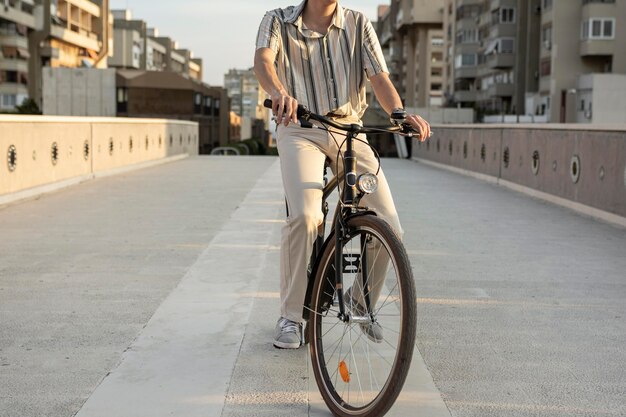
(287, 334)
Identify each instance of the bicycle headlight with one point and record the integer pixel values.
(367, 183)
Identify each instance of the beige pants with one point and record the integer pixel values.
(302, 154)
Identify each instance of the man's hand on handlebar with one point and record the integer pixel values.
(285, 108)
(420, 125)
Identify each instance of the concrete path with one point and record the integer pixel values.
(154, 293)
(207, 350)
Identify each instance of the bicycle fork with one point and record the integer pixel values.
(349, 207)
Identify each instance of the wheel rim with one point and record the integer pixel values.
(355, 368)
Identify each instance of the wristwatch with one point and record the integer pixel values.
(398, 116)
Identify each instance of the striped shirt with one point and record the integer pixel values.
(327, 73)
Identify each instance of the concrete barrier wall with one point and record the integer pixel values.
(41, 150)
(582, 164)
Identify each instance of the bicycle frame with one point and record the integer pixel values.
(348, 205)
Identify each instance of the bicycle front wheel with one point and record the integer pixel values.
(361, 363)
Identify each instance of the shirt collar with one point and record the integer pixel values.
(296, 16)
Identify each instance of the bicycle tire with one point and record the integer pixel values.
(320, 325)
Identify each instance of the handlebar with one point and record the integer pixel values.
(305, 115)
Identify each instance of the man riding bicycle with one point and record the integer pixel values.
(320, 55)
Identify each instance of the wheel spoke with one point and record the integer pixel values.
(357, 370)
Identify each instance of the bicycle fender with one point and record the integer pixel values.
(360, 213)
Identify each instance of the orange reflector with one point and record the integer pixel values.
(343, 371)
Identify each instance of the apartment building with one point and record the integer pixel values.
(71, 34)
(141, 47)
(579, 47)
(54, 33)
(245, 93)
(490, 58)
(17, 20)
(532, 58)
(411, 34)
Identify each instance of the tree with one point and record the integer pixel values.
(28, 106)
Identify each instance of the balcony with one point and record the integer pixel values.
(500, 61)
(501, 90)
(598, 8)
(14, 65)
(13, 88)
(465, 72)
(87, 40)
(503, 30)
(465, 96)
(14, 40)
(466, 23)
(15, 15)
(428, 13)
(496, 4)
(594, 47)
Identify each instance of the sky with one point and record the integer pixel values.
(221, 32)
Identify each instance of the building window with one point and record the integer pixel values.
(122, 100)
(507, 45)
(436, 41)
(470, 11)
(507, 15)
(9, 101)
(217, 107)
(467, 36)
(546, 67)
(465, 60)
(197, 103)
(600, 28)
(503, 15)
(122, 95)
(500, 46)
(546, 36)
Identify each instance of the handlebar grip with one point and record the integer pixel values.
(301, 112)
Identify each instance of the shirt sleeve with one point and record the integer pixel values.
(373, 58)
(269, 33)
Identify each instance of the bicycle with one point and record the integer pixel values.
(357, 372)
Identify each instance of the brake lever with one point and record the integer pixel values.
(408, 130)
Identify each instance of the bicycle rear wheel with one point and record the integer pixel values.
(360, 365)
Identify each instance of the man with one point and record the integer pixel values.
(319, 54)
